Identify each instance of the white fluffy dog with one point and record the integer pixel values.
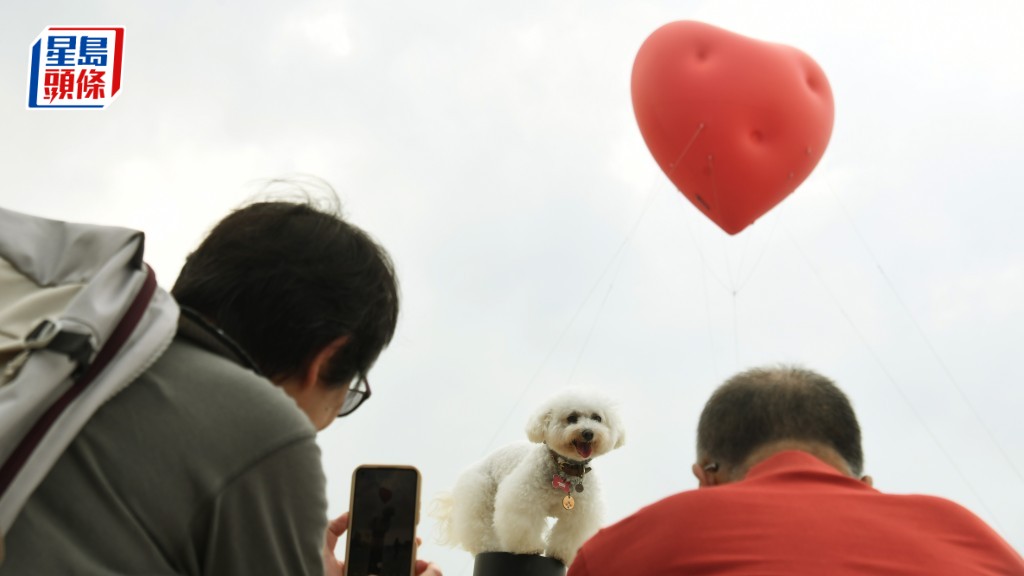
(502, 503)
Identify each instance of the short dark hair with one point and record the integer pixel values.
(766, 405)
(285, 279)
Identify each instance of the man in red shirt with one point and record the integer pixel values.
(779, 464)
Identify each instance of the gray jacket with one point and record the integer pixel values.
(198, 467)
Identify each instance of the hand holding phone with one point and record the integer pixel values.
(382, 523)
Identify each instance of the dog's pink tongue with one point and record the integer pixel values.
(583, 449)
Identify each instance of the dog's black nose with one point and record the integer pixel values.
(588, 435)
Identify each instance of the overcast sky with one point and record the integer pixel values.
(491, 147)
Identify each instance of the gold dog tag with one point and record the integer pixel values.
(568, 503)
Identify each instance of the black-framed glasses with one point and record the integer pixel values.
(358, 392)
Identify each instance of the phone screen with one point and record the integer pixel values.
(382, 525)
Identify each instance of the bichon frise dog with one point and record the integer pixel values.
(502, 503)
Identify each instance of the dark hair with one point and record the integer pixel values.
(285, 279)
(766, 405)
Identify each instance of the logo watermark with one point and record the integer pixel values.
(75, 67)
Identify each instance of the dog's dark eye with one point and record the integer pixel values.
(596, 418)
(572, 418)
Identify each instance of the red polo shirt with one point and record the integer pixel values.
(795, 515)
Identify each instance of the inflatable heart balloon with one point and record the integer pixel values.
(736, 123)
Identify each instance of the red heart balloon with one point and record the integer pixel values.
(735, 123)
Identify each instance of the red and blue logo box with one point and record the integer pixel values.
(76, 67)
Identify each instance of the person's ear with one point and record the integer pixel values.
(868, 480)
(311, 376)
(705, 478)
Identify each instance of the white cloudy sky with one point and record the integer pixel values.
(491, 148)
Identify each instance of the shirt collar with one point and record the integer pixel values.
(791, 461)
(197, 329)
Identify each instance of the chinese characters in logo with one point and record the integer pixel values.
(75, 67)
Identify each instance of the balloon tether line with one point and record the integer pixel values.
(625, 241)
(760, 256)
(736, 331)
(885, 371)
(714, 193)
(728, 268)
(593, 326)
(700, 252)
(743, 253)
(707, 305)
(704, 261)
(705, 269)
(551, 351)
(927, 341)
(672, 166)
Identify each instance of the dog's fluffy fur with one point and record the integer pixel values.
(502, 503)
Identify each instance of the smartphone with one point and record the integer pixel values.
(383, 515)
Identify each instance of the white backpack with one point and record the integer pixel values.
(81, 316)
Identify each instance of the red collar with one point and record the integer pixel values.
(795, 466)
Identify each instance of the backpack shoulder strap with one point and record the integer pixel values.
(81, 316)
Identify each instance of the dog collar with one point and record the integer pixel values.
(568, 477)
(569, 470)
(570, 467)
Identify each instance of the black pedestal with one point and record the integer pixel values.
(505, 564)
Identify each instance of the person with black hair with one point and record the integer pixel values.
(780, 466)
(207, 463)
(311, 300)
